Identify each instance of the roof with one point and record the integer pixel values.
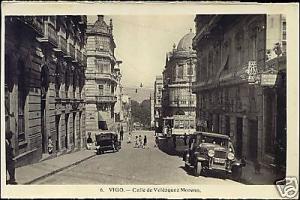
(218, 135)
(185, 44)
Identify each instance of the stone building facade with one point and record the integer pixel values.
(157, 108)
(178, 76)
(101, 76)
(44, 81)
(232, 55)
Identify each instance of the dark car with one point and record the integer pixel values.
(106, 141)
(212, 151)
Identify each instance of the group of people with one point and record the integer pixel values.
(139, 142)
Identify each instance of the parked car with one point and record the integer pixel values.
(105, 141)
(212, 151)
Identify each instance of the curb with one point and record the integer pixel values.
(57, 170)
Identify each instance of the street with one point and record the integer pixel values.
(130, 165)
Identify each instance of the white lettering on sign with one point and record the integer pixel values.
(268, 79)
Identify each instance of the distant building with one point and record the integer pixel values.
(152, 100)
(178, 76)
(45, 60)
(241, 82)
(102, 75)
(157, 109)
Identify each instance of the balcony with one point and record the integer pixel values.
(35, 23)
(50, 35)
(106, 99)
(62, 45)
(77, 56)
(70, 50)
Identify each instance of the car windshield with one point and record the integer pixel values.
(214, 140)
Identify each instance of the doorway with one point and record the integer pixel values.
(67, 132)
(239, 137)
(253, 143)
(57, 119)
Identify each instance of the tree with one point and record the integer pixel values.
(141, 112)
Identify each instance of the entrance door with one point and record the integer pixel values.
(253, 132)
(43, 125)
(57, 119)
(67, 132)
(239, 137)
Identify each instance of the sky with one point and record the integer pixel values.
(142, 43)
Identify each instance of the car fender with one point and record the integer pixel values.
(201, 159)
(237, 164)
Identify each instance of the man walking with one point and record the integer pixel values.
(121, 133)
(10, 162)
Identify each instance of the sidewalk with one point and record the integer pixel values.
(265, 177)
(31, 173)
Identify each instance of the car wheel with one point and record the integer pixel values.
(237, 173)
(198, 169)
(186, 166)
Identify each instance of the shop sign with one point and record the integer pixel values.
(268, 79)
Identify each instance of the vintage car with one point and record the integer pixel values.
(105, 141)
(212, 151)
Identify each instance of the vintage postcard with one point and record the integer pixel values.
(149, 100)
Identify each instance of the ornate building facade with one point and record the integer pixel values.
(178, 76)
(157, 108)
(101, 76)
(44, 84)
(235, 82)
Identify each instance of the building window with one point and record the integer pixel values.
(180, 72)
(21, 102)
(283, 37)
(101, 89)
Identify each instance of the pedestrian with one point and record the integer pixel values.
(50, 145)
(140, 141)
(156, 141)
(89, 141)
(129, 138)
(174, 140)
(145, 141)
(185, 139)
(136, 145)
(121, 133)
(10, 161)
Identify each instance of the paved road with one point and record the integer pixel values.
(131, 165)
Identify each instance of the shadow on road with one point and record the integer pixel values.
(210, 174)
(167, 146)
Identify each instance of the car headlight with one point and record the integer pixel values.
(211, 153)
(230, 156)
